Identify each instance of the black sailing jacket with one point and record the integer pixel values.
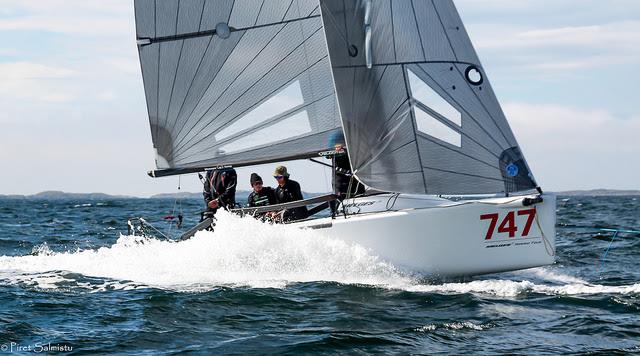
(266, 196)
(220, 185)
(290, 192)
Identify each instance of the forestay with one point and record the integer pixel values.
(418, 112)
(234, 82)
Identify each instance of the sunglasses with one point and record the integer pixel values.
(278, 177)
(257, 183)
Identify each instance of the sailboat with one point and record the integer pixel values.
(233, 83)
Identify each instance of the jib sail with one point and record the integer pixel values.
(418, 112)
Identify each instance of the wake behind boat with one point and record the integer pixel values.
(241, 83)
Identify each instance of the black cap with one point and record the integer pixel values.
(255, 178)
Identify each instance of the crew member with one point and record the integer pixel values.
(288, 191)
(342, 175)
(220, 189)
(261, 195)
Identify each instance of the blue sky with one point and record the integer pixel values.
(73, 114)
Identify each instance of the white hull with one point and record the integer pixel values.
(439, 237)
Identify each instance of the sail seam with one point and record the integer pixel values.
(464, 174)
(415, 128)
(427, 137)
(393, 33)
(401, 146)
(175, 73)
(155, 24)
(415, 17)
(386, 174)
(287, 11)
(201, 15)
(231, 11)
(259, 11)
(453, 50)
(194, 74)
(375, 91)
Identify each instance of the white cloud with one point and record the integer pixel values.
(561, 48)
(84, 18)
(29, 70)
(570, 147)
(618, 34)
(27, 80)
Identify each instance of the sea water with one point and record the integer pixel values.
(73, 279)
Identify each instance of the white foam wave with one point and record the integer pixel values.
(245, 252)
(241, 252)
(509, 288)
(462, 325)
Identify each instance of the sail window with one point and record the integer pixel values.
(433, 127)
(286, 129)
(473, 75)
(422, 92)
(283, 101)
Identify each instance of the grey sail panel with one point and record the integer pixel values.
(418, 112)
(231, 82)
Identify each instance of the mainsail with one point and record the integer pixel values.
(235, 82)
(418, 112)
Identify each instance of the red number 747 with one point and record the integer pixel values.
(508, 224)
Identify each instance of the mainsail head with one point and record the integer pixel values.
(235, 82)
(418, 112)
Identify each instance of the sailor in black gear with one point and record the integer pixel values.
(220, 189)
(288, 191)
(342, 175)
(260, 196)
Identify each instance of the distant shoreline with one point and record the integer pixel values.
(53, 195)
